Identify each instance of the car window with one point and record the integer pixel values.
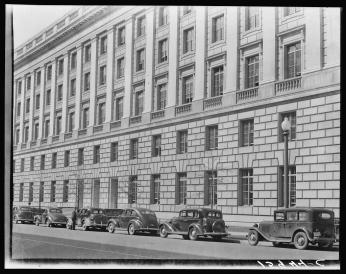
(214, 214)
(133, 213)
(55, 210)
(292, 216)
(324, 216)
(147, 212)
(279, 216)
(182, 213)
(303, 216)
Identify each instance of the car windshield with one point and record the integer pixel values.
(55, 210)
(214, 214)
(97, 211)
(26, 209)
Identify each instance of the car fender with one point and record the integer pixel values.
(259, 232)
(198, 227)
(168, 227)
(137, 223)
(308, 234)
(112, 220)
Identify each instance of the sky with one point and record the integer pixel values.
(29, 20)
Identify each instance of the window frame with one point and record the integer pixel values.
(249, 141)
(246, 177)
(182, 141)
(156, 145)
(218, 27)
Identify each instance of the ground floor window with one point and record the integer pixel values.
(245, 187)
(180, 189)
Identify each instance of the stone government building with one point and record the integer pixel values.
(168, 107)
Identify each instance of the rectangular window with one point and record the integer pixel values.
(19, 88)
(17, 136)
(67, 158)
(155, 189)
(187, 9)
(60, 66)
(103, 45)
(21, 192)
(71, 121)
(180, 189)
(73, 60)
(161, 96)
(43, 159)
(291, 10)
(46, 128)
(120, 67)
(133, 184)
(163, 16)
(87, 53)
(96, 154)
(26, 134)
(27, 106)
(217, 29)
(211, 137)
(37, 101)
(73, 87)
(188, 36)
(65, 192)
(291, 186)
(38, 78)
(217, 81)
(59, 93)
(292, 132)
(103, 75)
(163, 51)
(48, 97)
(36, 128)
(246, 132)
(119, 108)
(134, 149)
(22, 165)
(101, 112)
(187, 89)
(80, 156)
(28, 83)
(293, 60)
(121, 36)
(245, 187)
(52, 191)
(19, 105)
(182, 141)
(32, 163)
(141, 26)
(252, 71)
(114, 151)
(49, 73)
(252, 17)
(58, 125)
(54, 159)
(41, 192)
(85, 117)
(139, 103)
(113, 201)
(96, 193)
(87, 81)
(210, 188)
(156, 146)
(140, 60)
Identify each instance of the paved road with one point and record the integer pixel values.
(32, 242)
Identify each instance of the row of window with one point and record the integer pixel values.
(211, 181)
(246, 138)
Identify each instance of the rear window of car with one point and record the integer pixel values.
(214, 214)
(324, 215)
(55, 210)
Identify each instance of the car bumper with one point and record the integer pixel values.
(323, 239)
(215, 234)
(148, 229)
(59, 223)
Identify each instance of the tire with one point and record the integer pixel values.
(49, 223)
(300, 240)
(37, 222)
(185, 237)
(131, 229)
(85, 227)
(217, 238)
(111, 227)
(163, 232)
(193, 234)
(253, 237)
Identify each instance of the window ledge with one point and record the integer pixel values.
(250, 31)
(217, 43)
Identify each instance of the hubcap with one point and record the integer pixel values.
(301, 241)
(193, 233)
(131, 229)
(253, 237)
(163, 231)
(111, 227)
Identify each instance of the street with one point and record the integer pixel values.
(32, 242)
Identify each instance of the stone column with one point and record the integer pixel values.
(31, 113)
(93, 64)
(333, 36)
(201, 36)
(79, 78)
(269, 44)
(110, 76)
(42, 95)
(53, 101)
(173, 56)
(312, 39)
(64, 96)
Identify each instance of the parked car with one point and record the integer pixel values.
(300, 226)
(192, 223)
(134, 220)
(87, 218)
(51, 216)
(112, 212)
(23, 214)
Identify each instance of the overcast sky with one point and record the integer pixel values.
(29, 20)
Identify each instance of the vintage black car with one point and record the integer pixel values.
(52, 216)
(192, 223)
(23, 214)
(87, 218)
(134, 220)
(300, 226)
(112, 212)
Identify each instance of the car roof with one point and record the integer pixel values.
(204, 209)
(311, 209)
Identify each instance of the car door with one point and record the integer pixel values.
(278, 227)
(291, 223)
(192, 217)
(177, 222)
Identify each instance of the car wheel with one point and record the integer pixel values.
(49, 223)
(131, 229)
(253, 237)
(217, 238)
(84, 227)
(37, 222)
(193, 234)
(163, 232)
(185, 237)
(111, 227)
(300, 240)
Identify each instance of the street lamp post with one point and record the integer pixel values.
(286, 125)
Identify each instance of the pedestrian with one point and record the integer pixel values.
(74, 217)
